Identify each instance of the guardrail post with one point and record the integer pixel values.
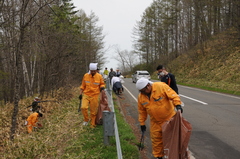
(108, 86)
(114, 121)
(108, 126)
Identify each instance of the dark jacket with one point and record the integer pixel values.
(111, 74)
(169, 79)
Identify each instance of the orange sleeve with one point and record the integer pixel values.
(142, 113)
(83, 85)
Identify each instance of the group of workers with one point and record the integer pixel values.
(158, 100)
(90, 89)
(32, 120)
(115, 78)
(110, 74)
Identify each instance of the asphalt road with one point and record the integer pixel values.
(215, 118)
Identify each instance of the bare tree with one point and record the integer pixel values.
(44, 45)
(24, 19)
(170, 27)
(126, 59)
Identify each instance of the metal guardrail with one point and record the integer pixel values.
(111, 105)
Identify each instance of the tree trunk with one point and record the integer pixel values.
(17, 68)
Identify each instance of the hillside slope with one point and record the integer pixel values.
(215, 64)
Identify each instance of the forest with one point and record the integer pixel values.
(198, 41)
(44, 45)
(170, 28)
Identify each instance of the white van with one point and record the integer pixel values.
(139, 74)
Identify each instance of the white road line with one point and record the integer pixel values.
(193, 99)
(130, 93)
(179, 94)
(198, 89)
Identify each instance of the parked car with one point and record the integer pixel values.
(138, 74)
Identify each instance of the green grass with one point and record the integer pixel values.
(90, 143)
(212, 89)
(127, 138)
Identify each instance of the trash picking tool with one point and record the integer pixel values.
(80, 103)
(141, 144)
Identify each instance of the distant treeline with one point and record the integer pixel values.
(169, 28)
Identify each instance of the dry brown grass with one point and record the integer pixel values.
(47, 142)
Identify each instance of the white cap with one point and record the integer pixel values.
(93, 66)
(142, 82)
(36, 98)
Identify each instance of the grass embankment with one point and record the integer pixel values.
(214, 65)
(64, 136)
(197, 83)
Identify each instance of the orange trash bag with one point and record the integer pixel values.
(103, 105)
(176, 135)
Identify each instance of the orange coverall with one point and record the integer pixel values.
(32, 120)
(91, 90)
(160, 108)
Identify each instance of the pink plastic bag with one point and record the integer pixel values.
(103, 105)
(176, 135)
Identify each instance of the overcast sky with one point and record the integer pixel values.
(118, 17)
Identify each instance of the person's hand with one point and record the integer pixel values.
(179, 107)
(102, 88)
(80, 97)
(143, 128)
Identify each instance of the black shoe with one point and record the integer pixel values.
(159, 158)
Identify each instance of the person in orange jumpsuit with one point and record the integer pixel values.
(92, 85)
(158, 101)
(32, 121)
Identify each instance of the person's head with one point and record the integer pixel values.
(93, 68)
(36, 99)
(144, 86)
(111, 69)
(117, 69)
(161, 70)
(106, 68)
